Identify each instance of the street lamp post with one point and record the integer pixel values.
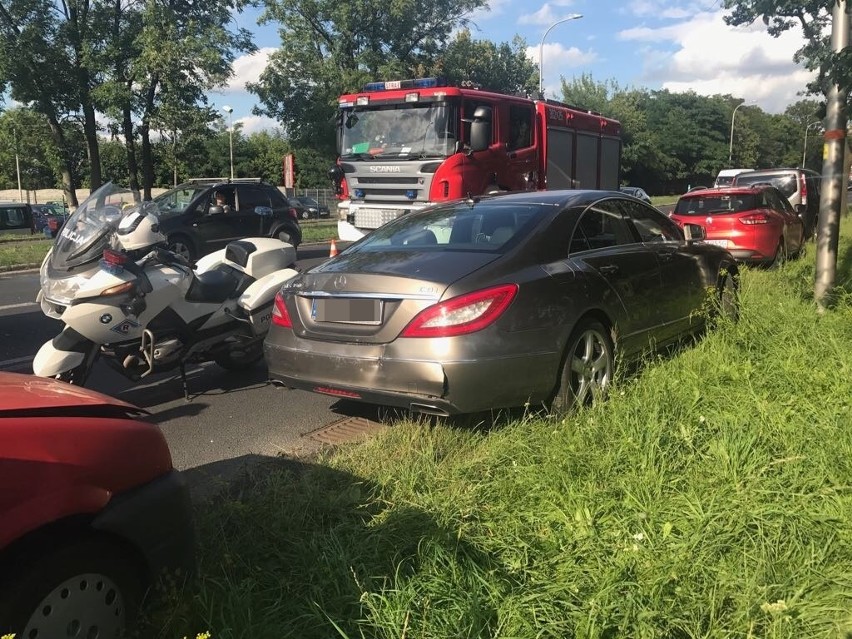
(731, 145)
(230, 111)
(575, 16)
(805, 145)
(18, 166)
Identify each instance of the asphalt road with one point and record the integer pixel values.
(230, 419)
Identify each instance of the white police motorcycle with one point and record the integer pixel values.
(124, 298)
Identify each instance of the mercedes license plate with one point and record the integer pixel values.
(346, 310)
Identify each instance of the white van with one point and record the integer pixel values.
(726, 176)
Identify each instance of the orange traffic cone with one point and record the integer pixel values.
(332, 250)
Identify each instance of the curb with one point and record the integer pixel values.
(20, 268)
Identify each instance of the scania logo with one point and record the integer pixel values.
(385, 169)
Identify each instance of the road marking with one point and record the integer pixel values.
(21, 305)
(17, 363)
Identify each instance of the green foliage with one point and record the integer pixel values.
(504, 67)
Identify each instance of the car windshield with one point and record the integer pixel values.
(715, 204)
(786, 182)
(408, 131)
(89, 229)
(174, 202)
(486, 226)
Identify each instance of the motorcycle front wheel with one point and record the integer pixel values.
(238, 359)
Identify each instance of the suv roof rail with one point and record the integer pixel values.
(224, 180)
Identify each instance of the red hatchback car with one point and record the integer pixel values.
(91, 510)
(755, 223)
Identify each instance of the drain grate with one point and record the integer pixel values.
(345, 430)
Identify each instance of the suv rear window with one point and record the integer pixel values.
(715, 204)
(784, 182)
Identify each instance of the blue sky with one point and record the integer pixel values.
(674, 44)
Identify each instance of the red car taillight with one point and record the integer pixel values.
(461, 315)
(294, 214)
(280, 316)
(803, 188)
(755, 218)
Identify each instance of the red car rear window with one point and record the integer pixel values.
(716, 204)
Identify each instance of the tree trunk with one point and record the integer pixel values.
(66, 170)
(145, 133)
(90, 129)
(130, 148)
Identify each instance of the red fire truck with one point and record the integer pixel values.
(406, 144)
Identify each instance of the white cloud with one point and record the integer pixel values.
(547, 15)
(557, 56)
(247, 68)
(492, 9)
(256, 123)
(707, 56)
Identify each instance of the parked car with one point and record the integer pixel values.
(46, 217)
(495, 302)
(314, 209)
(16, 218)
(726, 177)
(801, 187)
(636, 192)
(91, 510)
(195, 224)
(755, 223)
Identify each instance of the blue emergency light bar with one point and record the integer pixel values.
(392, 85)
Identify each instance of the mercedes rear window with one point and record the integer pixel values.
(715, 204)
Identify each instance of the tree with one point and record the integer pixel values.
(330, 47)
(504, 67)
(35, 64)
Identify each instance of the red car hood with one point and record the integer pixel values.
(28, 393)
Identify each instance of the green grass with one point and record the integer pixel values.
(656, 200)
(319, 231)
(25, 252)
(709, 497)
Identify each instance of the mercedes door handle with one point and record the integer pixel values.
(609, 269)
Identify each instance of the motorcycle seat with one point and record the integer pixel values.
(214, 286)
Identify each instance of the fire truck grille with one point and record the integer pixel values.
(388, 180)
(373, 218)
(397, 194)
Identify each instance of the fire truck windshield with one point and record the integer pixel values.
(398, 131)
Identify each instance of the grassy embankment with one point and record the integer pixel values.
(709, 497)
(27, 250)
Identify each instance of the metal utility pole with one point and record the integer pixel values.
(828, 228)
(575, 16)
(18, 166)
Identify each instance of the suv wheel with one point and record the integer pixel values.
(180, 245)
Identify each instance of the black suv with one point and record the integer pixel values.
(203, 215)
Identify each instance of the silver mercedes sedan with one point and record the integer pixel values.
(497, 302)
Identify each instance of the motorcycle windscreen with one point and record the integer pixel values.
(87, 232)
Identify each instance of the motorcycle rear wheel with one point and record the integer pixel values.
(240, 359)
